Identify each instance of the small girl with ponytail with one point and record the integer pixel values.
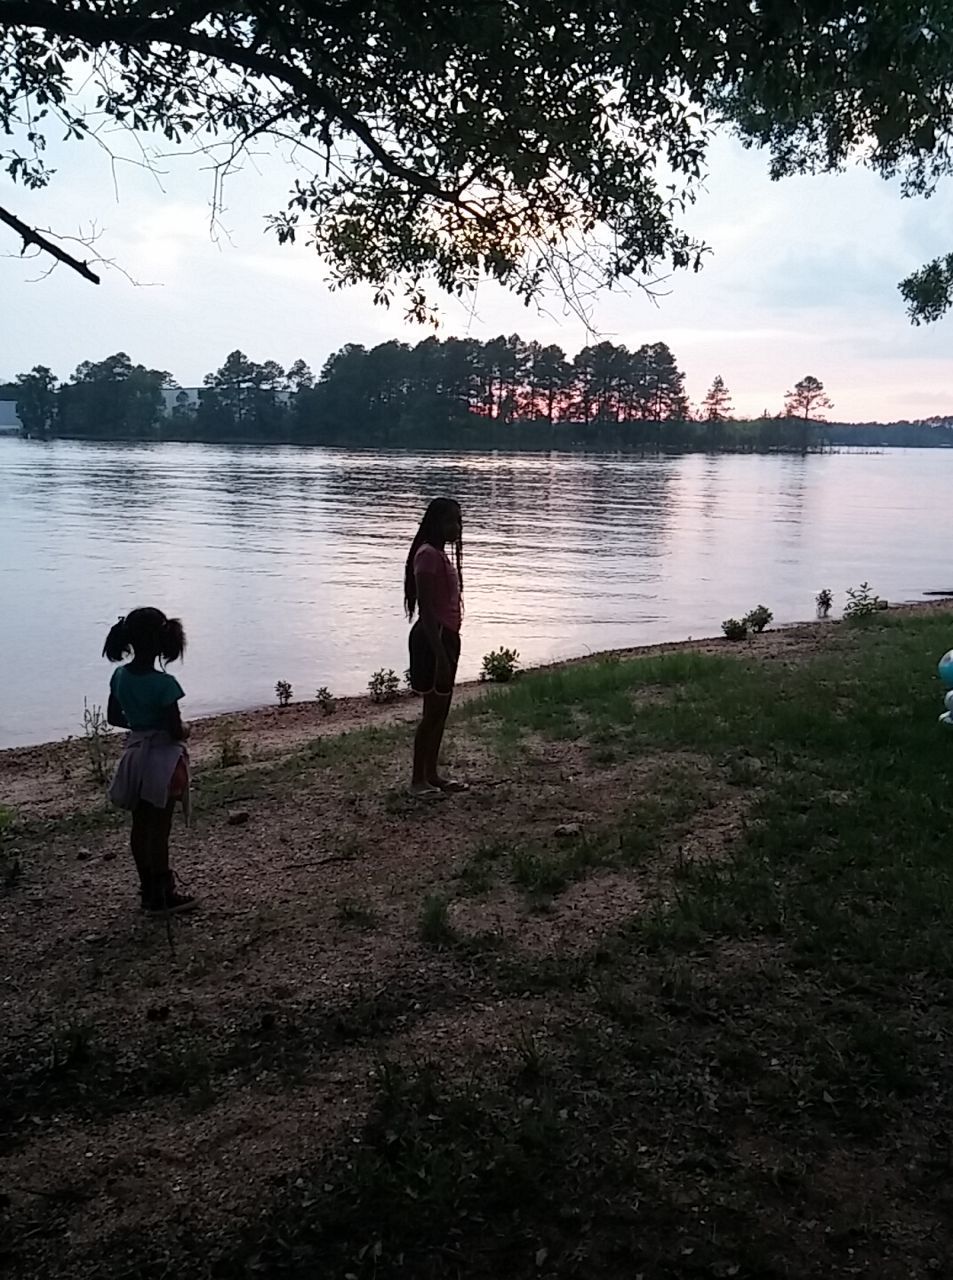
(153, 771)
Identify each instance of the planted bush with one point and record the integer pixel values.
(862, 602)
(735, 629)
(758, 618)
(384, 686)
(230, 748)
(283, 693)
(824, 601)
(500, 665)
(326, 700)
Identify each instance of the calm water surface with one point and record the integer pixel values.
(287, 564)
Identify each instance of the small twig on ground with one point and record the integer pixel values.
(320, 862)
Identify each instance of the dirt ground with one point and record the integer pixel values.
(166, 1082)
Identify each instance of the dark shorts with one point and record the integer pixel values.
(423, 660)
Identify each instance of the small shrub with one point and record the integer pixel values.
(500, 665)
(735, 629)
(384, 686)
(356, 913)
(824, 601)
(408, 679)
(532, 1060)
(100, 741)
(862, 602)
(435, 928)
(326, 700)
(231, 751)
(538, 873)
(283, 693)
(9, 868)
(758, 618)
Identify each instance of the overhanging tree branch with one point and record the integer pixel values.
(469, 139)
(136, 31)
(30, 236)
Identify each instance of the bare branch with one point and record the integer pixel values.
(86, 25)
(32, 237)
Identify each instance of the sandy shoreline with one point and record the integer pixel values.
(52, 778)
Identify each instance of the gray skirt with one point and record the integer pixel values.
(149, 759)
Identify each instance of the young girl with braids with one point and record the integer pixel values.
(433, 586)
(153, 771)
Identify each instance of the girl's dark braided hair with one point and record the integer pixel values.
(431, 531)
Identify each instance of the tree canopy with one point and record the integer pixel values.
(545, 144)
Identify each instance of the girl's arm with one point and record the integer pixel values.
(176, 728)
(114, 714)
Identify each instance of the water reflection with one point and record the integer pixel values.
(287, 563)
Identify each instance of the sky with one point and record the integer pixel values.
(801, 280)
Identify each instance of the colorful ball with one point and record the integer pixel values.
(945, 669)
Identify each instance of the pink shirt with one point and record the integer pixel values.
(432, 562)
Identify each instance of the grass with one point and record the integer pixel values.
(750, 1075)
(356, 913)
(434, 927)
(355, 753)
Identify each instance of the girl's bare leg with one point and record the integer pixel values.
(428, 738)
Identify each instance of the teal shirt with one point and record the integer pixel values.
(145, 696)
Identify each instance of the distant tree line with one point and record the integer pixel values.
(458, 392)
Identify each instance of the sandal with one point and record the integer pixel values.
(425, 793)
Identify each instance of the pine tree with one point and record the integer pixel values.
(717, 405)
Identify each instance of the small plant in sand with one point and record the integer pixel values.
(283, 692)
(9, 866)
(231, 750)
(824, 601)
(862, 602)
(500, 665)
(735, 629)
(758, 618)
(326, 700)
(384, 686)
(355, 913)
(409, 680)
(100, 741)
(435, 928)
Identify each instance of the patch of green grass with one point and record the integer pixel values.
(356, 913)
(358, 753)
(434, 926)
(478, 873)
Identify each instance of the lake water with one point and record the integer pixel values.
(286, 564)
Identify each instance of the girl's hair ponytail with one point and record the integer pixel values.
(117, 642)
(173, 640)
(148, 634)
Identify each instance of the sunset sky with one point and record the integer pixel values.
(802, 280)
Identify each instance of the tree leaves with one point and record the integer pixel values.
(548, 145)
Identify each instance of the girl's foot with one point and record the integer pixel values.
(424, 791)
(165, 899)
(450, 785)
(172, 904)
